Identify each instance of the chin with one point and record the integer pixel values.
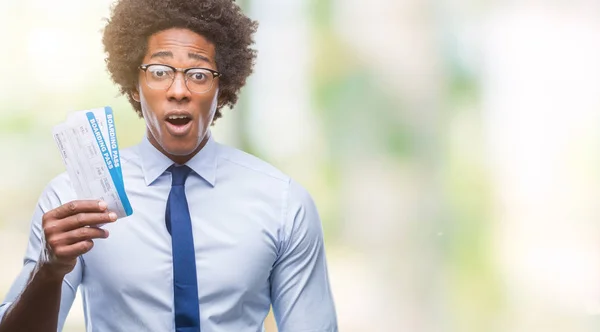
(181, 149)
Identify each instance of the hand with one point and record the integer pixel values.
(69, 231)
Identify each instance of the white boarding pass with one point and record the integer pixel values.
(88, 145)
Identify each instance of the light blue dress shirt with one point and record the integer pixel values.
(258, 241)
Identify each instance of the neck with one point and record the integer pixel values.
(179, 159)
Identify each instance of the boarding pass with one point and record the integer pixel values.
(88, 145)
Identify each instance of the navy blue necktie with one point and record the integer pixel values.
(179, 224)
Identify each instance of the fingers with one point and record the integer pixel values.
(76, 214)
(75, 207)
(75, 222)
(69, 231)
(70, 252)
(86, 219)
(77, 235)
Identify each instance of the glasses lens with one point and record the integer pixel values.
(199, 80)
(159, 76)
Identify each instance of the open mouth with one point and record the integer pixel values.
(179, 120)
(179, 125)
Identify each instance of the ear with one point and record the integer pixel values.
(135, 95)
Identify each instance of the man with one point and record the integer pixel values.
(217, 236)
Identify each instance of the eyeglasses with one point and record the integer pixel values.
(197, 80)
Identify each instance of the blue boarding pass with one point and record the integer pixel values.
(90, 151)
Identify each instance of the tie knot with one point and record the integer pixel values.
(179, 174)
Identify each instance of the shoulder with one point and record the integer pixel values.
(130, 156)
(246, 164)
(57, 192)
(248, 169)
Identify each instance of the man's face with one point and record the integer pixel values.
(177, 119)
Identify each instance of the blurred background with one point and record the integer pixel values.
(452, 147)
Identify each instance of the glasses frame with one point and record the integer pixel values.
(176, 70)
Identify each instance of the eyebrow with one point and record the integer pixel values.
(169, 54)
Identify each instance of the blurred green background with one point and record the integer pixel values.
(451, 147)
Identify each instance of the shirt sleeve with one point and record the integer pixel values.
(48, 201)
(300, 290)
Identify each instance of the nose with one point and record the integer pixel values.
(178, 90)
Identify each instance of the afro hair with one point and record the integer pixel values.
(222, 22)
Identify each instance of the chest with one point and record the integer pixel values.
(235, 241)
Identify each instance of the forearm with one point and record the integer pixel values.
(37, 308)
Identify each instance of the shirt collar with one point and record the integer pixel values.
(155, 163)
